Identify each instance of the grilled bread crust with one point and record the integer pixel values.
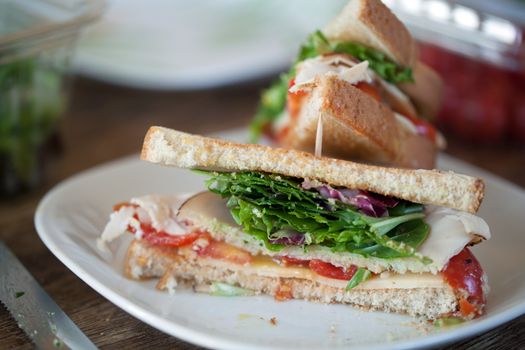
(371, 23)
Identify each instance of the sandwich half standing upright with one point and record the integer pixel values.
(360, 81)
(292, 225)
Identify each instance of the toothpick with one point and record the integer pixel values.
(319, 137)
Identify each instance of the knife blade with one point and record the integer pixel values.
(36, 313)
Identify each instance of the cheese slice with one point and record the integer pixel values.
(265, 266)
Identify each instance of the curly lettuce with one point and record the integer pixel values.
(269, 206)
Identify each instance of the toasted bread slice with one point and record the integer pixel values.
(149, 261)
(426, 91)
(174, 148)
(356, 126)
(371, 23)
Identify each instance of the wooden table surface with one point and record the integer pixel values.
(106, 122)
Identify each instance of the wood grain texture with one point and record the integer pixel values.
(106, 122)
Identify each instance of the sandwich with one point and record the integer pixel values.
(292, 225)
(360, 78)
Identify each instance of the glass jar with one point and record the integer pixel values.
(37, 40)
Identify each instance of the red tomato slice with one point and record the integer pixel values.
(328, 270)
(162, 238)
(159, 238)
(268, 132)
(289, 261)
(294, 101)
(369, 89)
(281, 134)
(165, 239)
(225, 251)
(423, 127)
(464, 272)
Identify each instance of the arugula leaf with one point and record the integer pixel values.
(316, 44)
(271, 105)
(265, 204)
(405, 208)
(409, 236)
(273, 99)
(359, 276)
(383, 226)
(378, 62)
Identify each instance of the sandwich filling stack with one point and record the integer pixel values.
(292, 225)
(360, 77)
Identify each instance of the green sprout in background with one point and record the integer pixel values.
(31, 103)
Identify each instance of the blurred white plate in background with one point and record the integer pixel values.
(178, 44)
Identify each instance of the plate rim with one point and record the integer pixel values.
(200, 338)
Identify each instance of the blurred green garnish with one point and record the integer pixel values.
(31, 103)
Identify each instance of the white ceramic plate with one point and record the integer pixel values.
(71, 216)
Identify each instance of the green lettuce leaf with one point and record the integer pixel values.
(228, 290)
(271, 105)
(317, 44)
(359, 276)
(264, 204)
(448, 322)
(273, 99)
